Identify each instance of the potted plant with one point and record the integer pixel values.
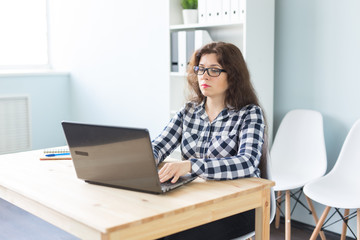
(190, 14)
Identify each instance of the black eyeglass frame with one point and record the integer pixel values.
(197, 72)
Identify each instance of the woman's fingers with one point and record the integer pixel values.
(162, 170)
(165, 173)
(174, 170)
(175, 178)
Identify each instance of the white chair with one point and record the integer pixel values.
(340, 188)
(298, 156)
(272, 200)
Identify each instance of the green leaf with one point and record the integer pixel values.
(189, 4)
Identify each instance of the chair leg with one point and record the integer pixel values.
(344, 227)
(313, 212)
(287, 216)
(278, 203)
(320, 223)
(358, 223)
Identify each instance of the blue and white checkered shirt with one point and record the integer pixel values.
(227, 148)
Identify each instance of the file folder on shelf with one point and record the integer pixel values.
(235, 10)
(202, 37)
(187, 43)
(202, 11)
(190, 45)
(238, 10)
(174, 52)
(217, 5)
(226, 11)
(210, 11)
(221, 11)
(182, 51)
(242, 10)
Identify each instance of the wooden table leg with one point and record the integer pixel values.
(262, 218)
(278, 206)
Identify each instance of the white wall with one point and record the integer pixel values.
(117, 54)
(317, 57)
(48, 102)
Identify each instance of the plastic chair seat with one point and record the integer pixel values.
(290, 180)
(330, 192)
(340, 188)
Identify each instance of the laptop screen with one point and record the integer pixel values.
(115, 156)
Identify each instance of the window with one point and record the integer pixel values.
(24, 37)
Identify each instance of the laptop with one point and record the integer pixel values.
(114, 156)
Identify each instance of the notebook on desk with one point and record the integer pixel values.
(116, 157)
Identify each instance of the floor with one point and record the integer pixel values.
(299, 233)
(17, 224)
(296, 233)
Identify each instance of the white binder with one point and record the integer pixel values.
(226, 11)
(202, 37)
(235, 11)
(217, 11)
(202, 11)
(210, 11)
(242, 11)
(188, 42)
(182, 62)
(190, 45)
(174, 52)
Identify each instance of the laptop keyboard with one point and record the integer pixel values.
(168, 185)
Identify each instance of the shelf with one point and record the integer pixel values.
(204, 26)
(178, 74)
(247, 32)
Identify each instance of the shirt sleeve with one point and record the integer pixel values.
(169, 139)
(245, 163)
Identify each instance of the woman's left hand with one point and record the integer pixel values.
(174, 170)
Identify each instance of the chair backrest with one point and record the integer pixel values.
(348, 162)
(299, 144)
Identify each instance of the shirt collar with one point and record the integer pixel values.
(200, 111)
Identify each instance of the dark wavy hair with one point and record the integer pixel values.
(240, 90)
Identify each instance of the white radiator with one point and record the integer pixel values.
(14, 124)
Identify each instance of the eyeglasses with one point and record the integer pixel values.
(212, 72)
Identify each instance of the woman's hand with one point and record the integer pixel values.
(174, 170)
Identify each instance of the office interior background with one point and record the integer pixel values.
(110, 66)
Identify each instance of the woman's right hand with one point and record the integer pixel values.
(174, 170)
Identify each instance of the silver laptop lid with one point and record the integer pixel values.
(113, 156)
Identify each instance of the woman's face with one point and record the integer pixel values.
(212, 87)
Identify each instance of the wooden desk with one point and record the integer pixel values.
(51, 191)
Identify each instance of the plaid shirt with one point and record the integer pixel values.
(227, 148)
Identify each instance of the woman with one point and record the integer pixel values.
(220, 132)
